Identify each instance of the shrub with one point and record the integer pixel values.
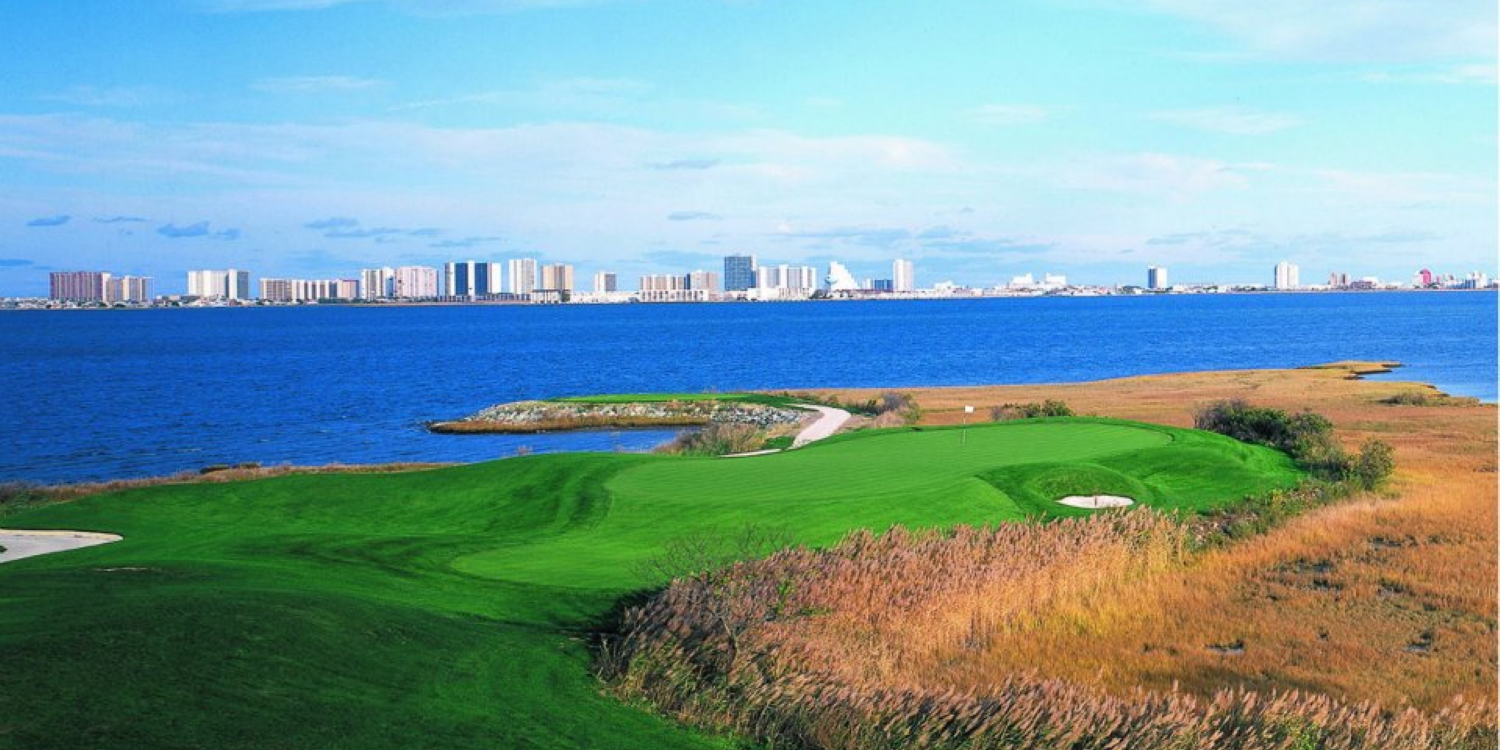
(1031, 410)
(716, 439)
(1373, 465)
(1307, 437)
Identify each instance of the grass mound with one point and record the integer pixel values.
(453, 608)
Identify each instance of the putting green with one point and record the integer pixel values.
(452, 608)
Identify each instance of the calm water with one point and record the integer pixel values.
(92, 395)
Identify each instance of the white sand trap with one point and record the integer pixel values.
(28, 543)
(1095, 502)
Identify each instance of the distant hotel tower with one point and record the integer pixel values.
(1156, 277)
(1286, 275)
(229, 284)
(903, 276)
(78, 286)
(739, 273)
(523, 276)
(606, 281)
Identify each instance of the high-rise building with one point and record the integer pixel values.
(708, 281)
(78, 286)
(800, 277)
(606, 281)
(377, 283)
(557, 277)
(418, 282)
(769, 277)
(522, 276)
(228, 284)
(1338, 280)
(306, 290)
(472, 279)
(1424, 278)
(903, 276)
(1286, 275)
(739, 273)
(127, 289)
(1156, 277)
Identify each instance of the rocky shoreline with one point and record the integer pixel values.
(554, 416)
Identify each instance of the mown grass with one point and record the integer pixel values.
(454, 607)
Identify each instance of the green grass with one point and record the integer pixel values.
(452, 608)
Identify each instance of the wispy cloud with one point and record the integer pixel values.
(1455, 75)
(109, 96)
(1005, 115)
(1346, 30)
(14, 262)
(332, 222)
(585, 93)
(49, 221)
(690, 164)
(693, 216)
(314, 84)
(119, 220)
(422, 7)
(465, 242)
(197, 229)
(1229, 120)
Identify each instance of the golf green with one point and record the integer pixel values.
(453, 608)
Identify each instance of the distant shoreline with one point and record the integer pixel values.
(8, 304)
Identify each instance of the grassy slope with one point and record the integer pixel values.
(447, 608)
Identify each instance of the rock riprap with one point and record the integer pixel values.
(547, 416)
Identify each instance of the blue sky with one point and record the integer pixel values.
(982, 139)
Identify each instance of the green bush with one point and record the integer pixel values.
(1031, 410)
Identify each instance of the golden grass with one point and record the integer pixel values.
(1391, 599)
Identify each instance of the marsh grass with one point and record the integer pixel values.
(889, 641)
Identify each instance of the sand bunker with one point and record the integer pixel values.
(1095, 502)
(27, 543)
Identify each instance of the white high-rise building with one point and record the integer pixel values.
(229, 284)
(377, 283)
(1156, 277)
(802, 278)
(523, 276)
(415, 282)
(1286, 275)
(471, 279)
(606, 281)
(769, 277)
(903, 276)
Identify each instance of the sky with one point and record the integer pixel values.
(982, 139)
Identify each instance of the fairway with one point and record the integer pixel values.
(451, 608)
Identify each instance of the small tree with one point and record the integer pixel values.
(1374, 464)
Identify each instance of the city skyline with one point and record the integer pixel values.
(986, 141)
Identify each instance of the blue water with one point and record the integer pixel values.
(95, 395)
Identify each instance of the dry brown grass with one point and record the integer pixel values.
(1368, 623)
(1391, 600)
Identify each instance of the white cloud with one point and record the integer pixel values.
(1483, 73)
(1010, 114)
(109, 96)
(1156, 173)
(314, 84)
(1346, 30)
(1230, 120)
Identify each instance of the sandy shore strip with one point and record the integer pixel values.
(21, 543)
(1095, 502)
